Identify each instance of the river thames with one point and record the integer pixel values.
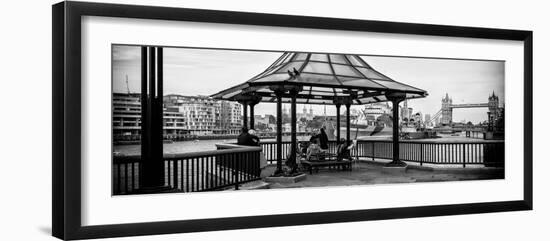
(208, 145)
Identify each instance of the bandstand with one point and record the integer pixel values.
(323, 79)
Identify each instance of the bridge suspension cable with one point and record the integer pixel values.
(437, 115)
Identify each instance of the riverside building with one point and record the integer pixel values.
(182, 115)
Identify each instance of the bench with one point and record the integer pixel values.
(309, 165)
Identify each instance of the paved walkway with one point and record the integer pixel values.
(372, 173)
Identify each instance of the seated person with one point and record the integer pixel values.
(313, 151)
(248, 138)
(314, 136)
(243, 138)
(254, 139)
(343, 151)
(303, 148)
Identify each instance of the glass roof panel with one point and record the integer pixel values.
(345, 70)
(319, 79)
(337, 59)
(290, 66)
(319, 57)
(300, 57)
(363, 83)
(314, 67)
(354, 61)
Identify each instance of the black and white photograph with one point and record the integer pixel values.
(274, 120)
(190, 119)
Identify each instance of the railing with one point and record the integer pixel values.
(232, 165)
(488, 153)
(475, 134)
(193, 172)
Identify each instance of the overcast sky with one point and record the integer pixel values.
(205, 72)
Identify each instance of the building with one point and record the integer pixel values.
(204, 115)
(305, 114)
(428, 120)
(230, 117)
(405, 111)
(264, 120)
(126, 115)
(446, 110)
(299, 115)
(375, 110)
(182, 115)
(496, 113)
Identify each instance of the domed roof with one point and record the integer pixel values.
(322, 78)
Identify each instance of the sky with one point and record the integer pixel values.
(190, 71)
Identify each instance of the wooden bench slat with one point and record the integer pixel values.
(311, 164)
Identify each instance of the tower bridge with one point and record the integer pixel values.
(447, 106)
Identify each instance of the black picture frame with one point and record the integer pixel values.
(66, 127)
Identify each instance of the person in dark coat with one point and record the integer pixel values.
(243, 138)
(323, 139)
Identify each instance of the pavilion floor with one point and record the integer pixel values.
(369, 172)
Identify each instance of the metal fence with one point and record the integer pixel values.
(193, 172)
(232, 165)
(488, 153)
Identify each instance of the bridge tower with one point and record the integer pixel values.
(493, 108)
(446, 110)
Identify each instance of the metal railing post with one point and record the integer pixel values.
(464, 155)
(176, 174)
(421, 153)
(372, 150)
(236, 173)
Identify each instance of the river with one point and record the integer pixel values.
(209, 145)
(188, 146)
